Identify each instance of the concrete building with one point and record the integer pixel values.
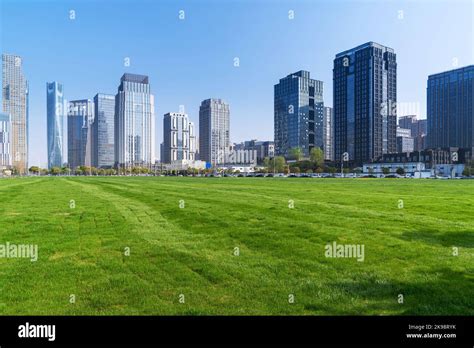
(214, 131)
(298, 114)
(179, 141)
(418, 130)
(405, 142)
(5, 141)
(15, 104)
(328, 134)
(262, 149)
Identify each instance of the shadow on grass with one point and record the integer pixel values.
(451, 294)
(463, 239)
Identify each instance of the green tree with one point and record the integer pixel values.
(317, 156)
(385, 170)
(296, 153)
(34, 169)
(295, 170)
(400, 171)
(55, 171)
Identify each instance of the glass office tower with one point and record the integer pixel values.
(55, 123)
(298, 114)
(134, 122)
(103, 132)
(79, 123)
(15, 103)
(450, 111)
(365, 96)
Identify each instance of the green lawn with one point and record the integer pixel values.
(191, 250)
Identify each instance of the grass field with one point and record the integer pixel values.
(182, 234)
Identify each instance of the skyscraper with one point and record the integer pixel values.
(134, 122)
(55, 123)
(15, 103)
(214, 125)
(179, 141)
(450, 109)
(103, 132)
(298, 113)
(365, 96)
(5, 141)
(80, 118)
(328, 134)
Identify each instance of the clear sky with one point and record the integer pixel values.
(192, 59)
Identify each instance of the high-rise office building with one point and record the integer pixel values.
(5, 141)
(179, 141)
(298, 114)
(55, 122)
(214, 128)
(450, 109)
(79, 124)
(365, 96)
(328, 134)
(134, 122)
(103, 131)
(15, 103)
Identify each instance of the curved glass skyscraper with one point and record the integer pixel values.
(55, 122)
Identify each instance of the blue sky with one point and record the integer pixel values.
(193, 59)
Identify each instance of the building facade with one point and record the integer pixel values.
(263, 148)
(80, 118)
(179, 141)
(418, 130)
(365, 97)
(405, 142)
(15, 103)
(328, 134)
(298, 114)
(134, 122)
(214, 130)
(103, 131)
(5, 141)
(450, 109)
(55, 124)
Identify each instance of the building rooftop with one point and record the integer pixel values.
(360, 47)
(134, 78)
(462, 69)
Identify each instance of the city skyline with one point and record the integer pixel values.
(216, 73)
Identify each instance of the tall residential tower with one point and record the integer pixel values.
(214, 128)
(15, 103)
(179, 141)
